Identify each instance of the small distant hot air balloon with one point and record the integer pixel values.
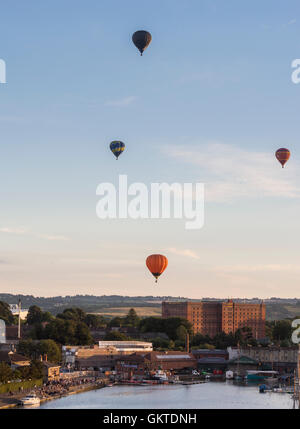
(142, 40)
(117, 147)
(283, 155)
(156, 265)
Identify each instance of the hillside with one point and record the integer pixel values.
(113, 305)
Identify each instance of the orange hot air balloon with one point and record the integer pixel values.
(156, 265)
(283, 155)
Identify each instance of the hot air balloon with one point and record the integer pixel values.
(156, 265)
(142, 40)
(283, 155)
(117, 147)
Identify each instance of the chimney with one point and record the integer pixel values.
(187, 343)
(19, 320)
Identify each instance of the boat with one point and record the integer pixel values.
(261, 375)
(160, 375)
(30, 399)
(229, 375)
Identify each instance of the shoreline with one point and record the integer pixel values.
(16, 403)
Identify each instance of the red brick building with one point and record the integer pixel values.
(140, 365)
(211, 317)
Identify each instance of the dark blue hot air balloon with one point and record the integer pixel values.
(117, 147)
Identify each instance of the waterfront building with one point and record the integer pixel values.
(213, 317)
(211, 360)
(281, 359)
(50, 371)
(102, 356)
(242, 364)
(141, 365)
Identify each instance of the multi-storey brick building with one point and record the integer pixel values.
(211, 317)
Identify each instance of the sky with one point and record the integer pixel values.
(210, 101)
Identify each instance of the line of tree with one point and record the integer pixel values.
(33, 372)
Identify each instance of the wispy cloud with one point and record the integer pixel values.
(230, 172)
(53, 237)
(122, 102)
(18, 231)
(258, 268)
(26, 231)
(101, 261)
(183, 252)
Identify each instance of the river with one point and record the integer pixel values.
(210, 395)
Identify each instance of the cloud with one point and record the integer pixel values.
(258, 268)
(101, 261)
(230, 172)
(53, 237)
(122, 102)
(18, 231)
(183, 252)
(25, 231)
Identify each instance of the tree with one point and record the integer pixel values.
(73, 313)
(116, 336)
(6, 314)
(5, 372)
(132, 319)
(181, 332)
(34, 350)
(282, 330)
(83, 334)
(27, 348)
(35, 315)
(51, 349)
(95, 321)
(116, 322)
(36, 369)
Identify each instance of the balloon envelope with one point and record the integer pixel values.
(141, 40)
(156, 264)
(282, 155)
(117, 147)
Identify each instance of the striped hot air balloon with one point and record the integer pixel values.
(282, 155)
(117, 147)
(156, 265)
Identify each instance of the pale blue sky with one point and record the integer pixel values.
(210, 101)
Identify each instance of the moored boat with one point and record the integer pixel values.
(30, 399)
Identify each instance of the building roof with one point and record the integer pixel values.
(243, 360)
(10, 357)
(218, 360)
(51, 364)
(210, 351)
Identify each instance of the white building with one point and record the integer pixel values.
(2, 332)
(14, 308)
(126, 346)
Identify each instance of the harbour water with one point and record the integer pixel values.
(211, 395)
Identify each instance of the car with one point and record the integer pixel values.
(195, 372)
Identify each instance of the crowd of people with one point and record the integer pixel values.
(63, 386)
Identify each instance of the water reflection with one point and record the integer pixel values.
(226, 395)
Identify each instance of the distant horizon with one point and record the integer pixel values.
(148, 296)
